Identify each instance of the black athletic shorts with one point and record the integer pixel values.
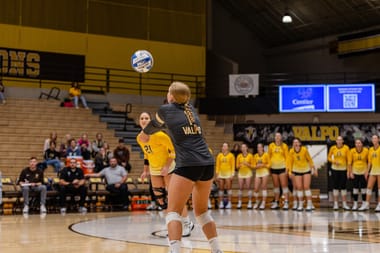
(196, 173)
(277, 171)
(301, 173)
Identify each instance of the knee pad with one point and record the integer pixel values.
(335, 193)
(249, 194)
(220, 193)
(162, 195)
(256, 194)
(355, 191)
(369, 192)
(173, 216)
(308, 193)
(229, 192)
(204, 218)
(344, 192)
(265, 193)
(285, 190)
(299, 194)
(378, 192)
(276, 190)
(363, 190)
(240, 193)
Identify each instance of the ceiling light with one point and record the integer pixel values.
(287, 18)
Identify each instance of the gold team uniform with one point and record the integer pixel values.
(157, 151)
(358, 160)
(278, 155)
(244, 170)
(225, 165)
(299, 162)
(374, 160)
(262, 159)
(340, 156)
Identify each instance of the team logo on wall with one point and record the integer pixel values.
(244, 85)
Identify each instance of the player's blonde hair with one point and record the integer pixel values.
(180, 92)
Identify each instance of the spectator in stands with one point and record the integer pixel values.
(52, 138)
(97, 144)
(2, 90)
(225, 171)
(51, 157)
(85, 147)
(64, 146)
(101, 159)
(71, 181)
(76, 94)
(236, 150)
(32, 179)
(73, 149)
(244, 165)
(121, 153)
(116, 177)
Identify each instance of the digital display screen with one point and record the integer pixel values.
(351, 98)
(302, 98)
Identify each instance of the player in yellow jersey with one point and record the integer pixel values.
(357, 166)
(244, 162)
(261, 163)
(225, 170)
(159, 155)
(337, 156)
(278, 152)
(372, 173)
(302, 166)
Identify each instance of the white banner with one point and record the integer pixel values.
(244, 85)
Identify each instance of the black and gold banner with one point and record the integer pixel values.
(308, 133)
(42, 65)
(359, 43)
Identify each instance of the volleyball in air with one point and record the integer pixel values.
(142, 61)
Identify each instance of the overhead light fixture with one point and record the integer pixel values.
(287, 18)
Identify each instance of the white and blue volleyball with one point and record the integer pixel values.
(142, 61)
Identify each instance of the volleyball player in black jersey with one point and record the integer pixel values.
(194, 170)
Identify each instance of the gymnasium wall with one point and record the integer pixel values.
(108, 32)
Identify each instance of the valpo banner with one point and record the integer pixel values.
(42, 65)
(308, 133)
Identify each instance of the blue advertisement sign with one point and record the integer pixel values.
(351, 98)
(302, 98)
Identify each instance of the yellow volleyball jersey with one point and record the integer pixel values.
(244, 170)
(262, 159)
(339, 155)
(358, 160)
(157, 150)
(278, 155)
(225, 165)
(374, 160)
(300, 162)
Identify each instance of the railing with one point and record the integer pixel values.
(122, 81)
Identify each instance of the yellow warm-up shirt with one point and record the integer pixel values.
(157, 151)
(374, 161)
(278, 155)
(262, 159)
(244, 170)
(300, 162)
(75, 92)
(225, 165)
(339, 155)
(358, 160)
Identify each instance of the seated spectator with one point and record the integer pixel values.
(121, 153)
(64, 145)
(73, 149)
(32, 179)
(85, 148)
(116, 177)
(101, 160)
(97, 144)
(51, 157)
(76, 94)
(2, 90)
(71, 181)
(52, 138)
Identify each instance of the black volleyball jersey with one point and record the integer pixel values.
(190, 146)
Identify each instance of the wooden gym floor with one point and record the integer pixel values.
(239, 231)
